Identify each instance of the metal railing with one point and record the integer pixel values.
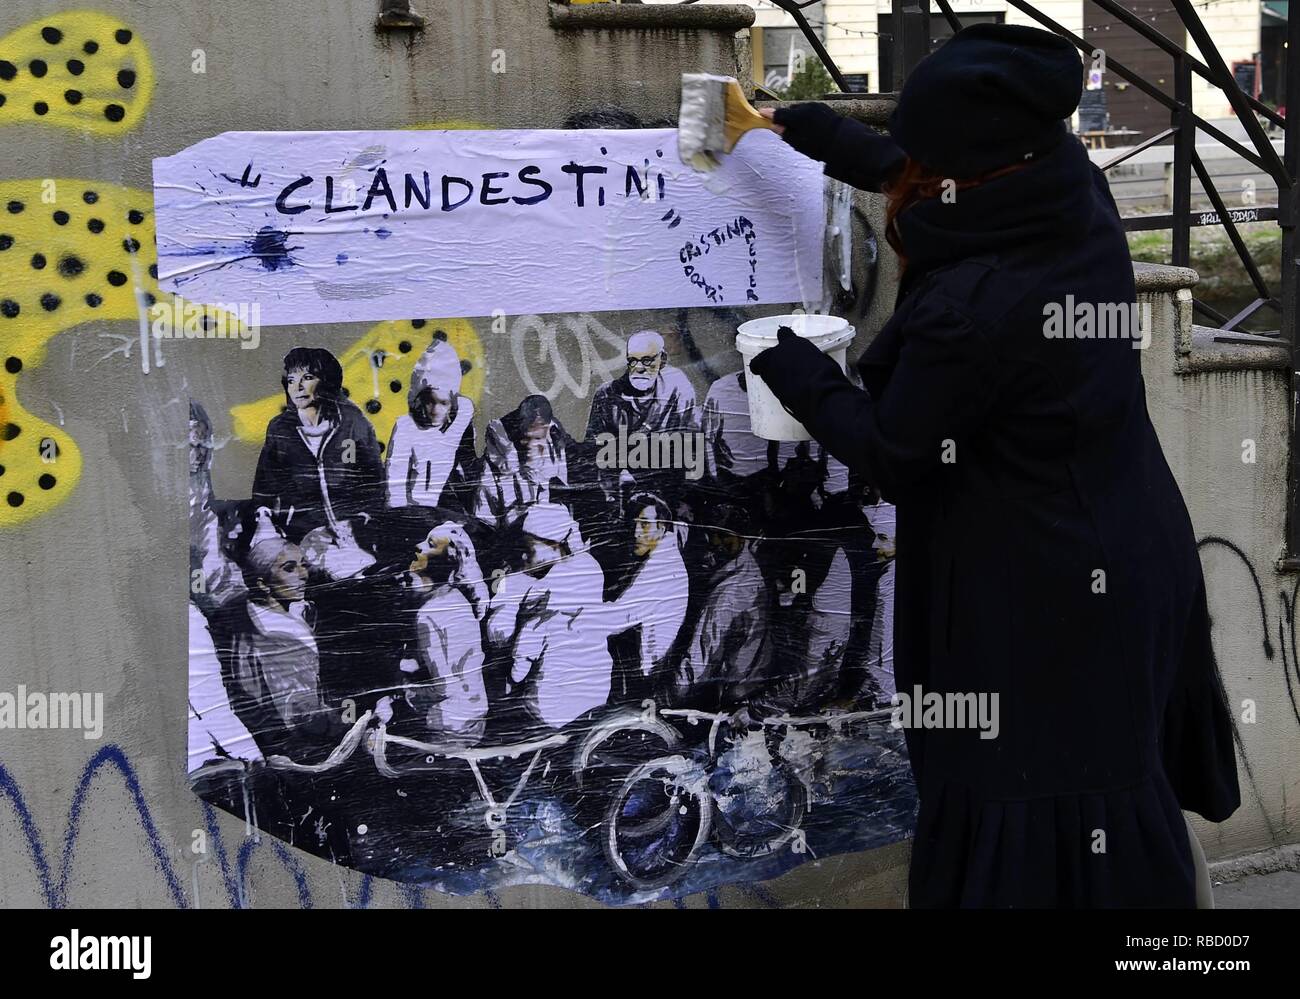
(910, 41)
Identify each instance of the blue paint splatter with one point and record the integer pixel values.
(341, 259)
(382, 233)
(270, 246)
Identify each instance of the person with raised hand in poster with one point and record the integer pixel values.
(551, 624)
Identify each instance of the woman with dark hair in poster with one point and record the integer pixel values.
(320, 462)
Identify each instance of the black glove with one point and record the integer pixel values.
(786, 365)
(809, 127)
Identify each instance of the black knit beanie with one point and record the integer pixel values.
(994, 94)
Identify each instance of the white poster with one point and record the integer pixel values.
(314, 227)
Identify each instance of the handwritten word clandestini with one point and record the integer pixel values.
(585, 183)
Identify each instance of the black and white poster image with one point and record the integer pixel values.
(484, 651)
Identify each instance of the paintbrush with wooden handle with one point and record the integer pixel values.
(714, 115)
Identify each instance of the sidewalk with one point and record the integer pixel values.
(1279, 890)
(1266, 880)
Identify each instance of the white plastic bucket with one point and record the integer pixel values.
(829, 334)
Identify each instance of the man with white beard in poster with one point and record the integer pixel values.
(550, 622)
(650, 399)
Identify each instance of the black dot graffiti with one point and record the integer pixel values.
(131, 245)
(38, 261)
(134, 216)
(114, 112)
(38, 67)
(373, 406)
(404, 346)
(9, 431)
(9, 308)
(90, 48)
(15, 207)
(76, 67)
(395, 386)
(6, 241)
(7, 70)
(93, 300)
(46, 481)
(126, 78)
(418, 323)
(50, 301)
(89, 197)
(122, 36)
(52, 34)
(95, 226)
(13, 365)
(72, 96)
(60, 217)
(15, 499)
(70, 266)
(40, 107)
(116, 278)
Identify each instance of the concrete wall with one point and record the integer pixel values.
(92, 593)
(1221, 412)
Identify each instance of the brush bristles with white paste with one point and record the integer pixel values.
(714, 115)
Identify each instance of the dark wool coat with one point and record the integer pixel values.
(1050, 560)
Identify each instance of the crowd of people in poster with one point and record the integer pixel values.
(478, 596)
